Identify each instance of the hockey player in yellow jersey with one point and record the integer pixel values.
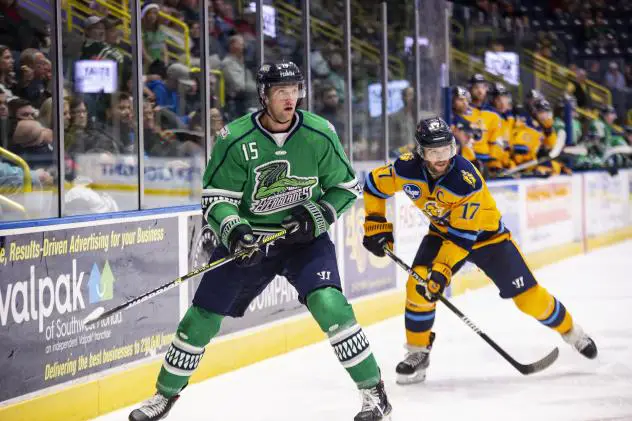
(535, 138)
(500, 103)
(487, 147)
(465, 225)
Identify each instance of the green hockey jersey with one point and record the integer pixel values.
(250, 178)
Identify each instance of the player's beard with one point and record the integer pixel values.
(437, 172)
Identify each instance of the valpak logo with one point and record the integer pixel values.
(101, 284)
(43, 296)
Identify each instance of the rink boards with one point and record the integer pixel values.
(51, 276)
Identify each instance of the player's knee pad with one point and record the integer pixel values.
(548, 310)
(330, 309)
(195, 331)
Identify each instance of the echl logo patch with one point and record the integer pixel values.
(413, 191)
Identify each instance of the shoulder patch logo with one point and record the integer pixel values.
(406, 156)
(275, 189)
(468, 178)
(413, 191)
(224, 132)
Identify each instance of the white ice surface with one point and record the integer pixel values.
(467, 380)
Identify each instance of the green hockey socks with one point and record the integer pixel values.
(195, 331)
(335, 317)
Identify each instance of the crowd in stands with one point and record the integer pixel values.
(592, 38)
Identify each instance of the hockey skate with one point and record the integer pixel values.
(413, 368)
(581, 342)
(375, 404)
(155, 408)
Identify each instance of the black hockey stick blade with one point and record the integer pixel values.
(525, 369)
(540, 365)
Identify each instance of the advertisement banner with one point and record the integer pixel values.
(50, 281)
(507, 199)
(364, 273)
(549, 219)
(606, 202)
(278, 301)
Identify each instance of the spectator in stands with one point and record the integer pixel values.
(45, 116)
(79, 135)
(404, 121)
(19, 109)
(15, 31)
(190, 9)
(93, 30)
(115, 135)
(335, 77)
(7, 74)
(331, 110)
(120, 119)
(577, 87)
(241, 87)
(35, 76)
(34, 143)
(628, 75)
(194, 32)
(12, 179)
(113, 32)
(171, 92)
(4, 119)
(614, 78)
(154, 39)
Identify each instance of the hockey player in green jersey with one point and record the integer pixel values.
(278, 168)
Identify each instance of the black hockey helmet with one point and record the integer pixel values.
(461, 92)
(533, 95)
(541, 104)
(498, 89)
(282, 73)
(607, 109)
(476, 78)
(433, 132)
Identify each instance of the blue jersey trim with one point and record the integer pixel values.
(372, 189)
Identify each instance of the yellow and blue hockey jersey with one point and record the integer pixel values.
(459, 205)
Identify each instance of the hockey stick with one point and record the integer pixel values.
(522, 368)
(100, 313)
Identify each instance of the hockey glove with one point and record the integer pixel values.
(438, 280)
(242, 239)
(377, 233)
(307, 222)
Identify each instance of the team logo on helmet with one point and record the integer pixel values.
(413, 191)
(434, 125)
(265, 68)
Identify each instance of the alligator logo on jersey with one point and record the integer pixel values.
(276, 189)
(468, 178)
